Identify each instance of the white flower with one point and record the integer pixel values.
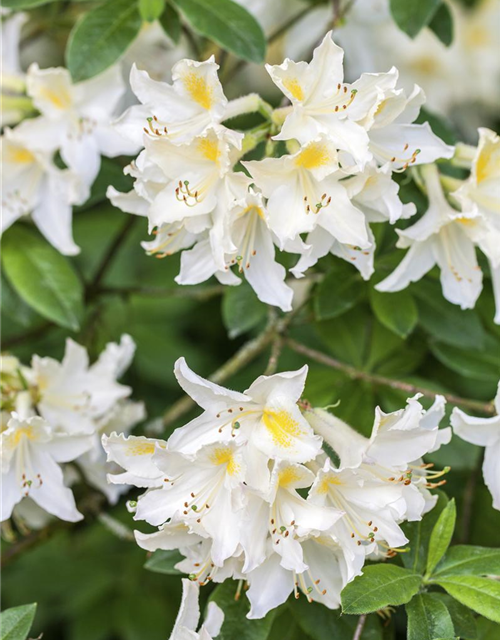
(76, 118)
(266, 416)
(30, 454)
(446, 237)
(74, 395)
(374, 193)
(484, 432)
(32, 184)
(304, 191)
(135, 455)
(189, 615)
(206, 495)
(181, 110)
(12, 81)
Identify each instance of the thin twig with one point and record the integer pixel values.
(242, 357)
(356, 374)
(276, 348)
(359, 627)
(110, 254)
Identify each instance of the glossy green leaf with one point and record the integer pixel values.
(24, 4)
(236, 625)
(412, 16)
(441, 535)
(463, 619)
(241, 309)
(228, 24)
(469, 560)
(15, 623)
(442, 24)
(339, 291)
(151, 10)
(42, 277)
(163, 561)
(470, 363)
(171, 23)
(396, 311)
(381, 585)
(479, 594)
(99, 39)
(419, 534)
(428, 619)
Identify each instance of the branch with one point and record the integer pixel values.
(241, 358)
(359, 627)
(356, 374)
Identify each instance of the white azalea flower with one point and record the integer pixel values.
(266, 416)
(189, 615)
(375, 194)
(206, 495)
(135, 455)
(12, 82)
(181, 110)
(304, 191)
(72, 394)
(484, 432)
(322, 581)
(76, 118)
(33, 185)
(31, 453)
(446, 237)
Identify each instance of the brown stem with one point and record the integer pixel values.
(356, 374)
(359, 627)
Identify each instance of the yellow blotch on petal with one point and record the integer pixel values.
(326, 482)
(209, 149)
(254, 209)
(293, 86)
(225, 455)
(282, 427)
(199, 90)
(488, 163)
(288, 476)
(18, 155)
(20, 433)
(467, 222)
(61, 99)
(313, 156)
(140, 448)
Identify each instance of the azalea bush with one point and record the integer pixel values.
(251, 320)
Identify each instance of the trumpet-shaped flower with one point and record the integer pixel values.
(181, 110)
(31, 452)
(266, 416)
(446, 237)
(14, 106)
(484, 432)
(76, 119)
(135, 455)
(189, 615)
(304, 191)
(33, 185)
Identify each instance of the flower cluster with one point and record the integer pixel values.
(74, 122)
(248, 489)
(344, 142)
(447, 236)
(53, 413)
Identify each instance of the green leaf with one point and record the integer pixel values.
(412, 16)
(151, 10)
(428, 619)
(464, 622)
(469, 560)
(447, 322)
(43, 277)
(24, 4)
(475, 364)
(380, 586)
(102, 35)
(396, 311)
(241, 309)
(339, 291)
(164, 562)
(479, 594)
(171, 23)
(442, 24)
(15, 623)
(441, 535)
(228, 24)
(419, 533)
(236, 625)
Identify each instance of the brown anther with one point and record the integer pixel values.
(375, 529)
